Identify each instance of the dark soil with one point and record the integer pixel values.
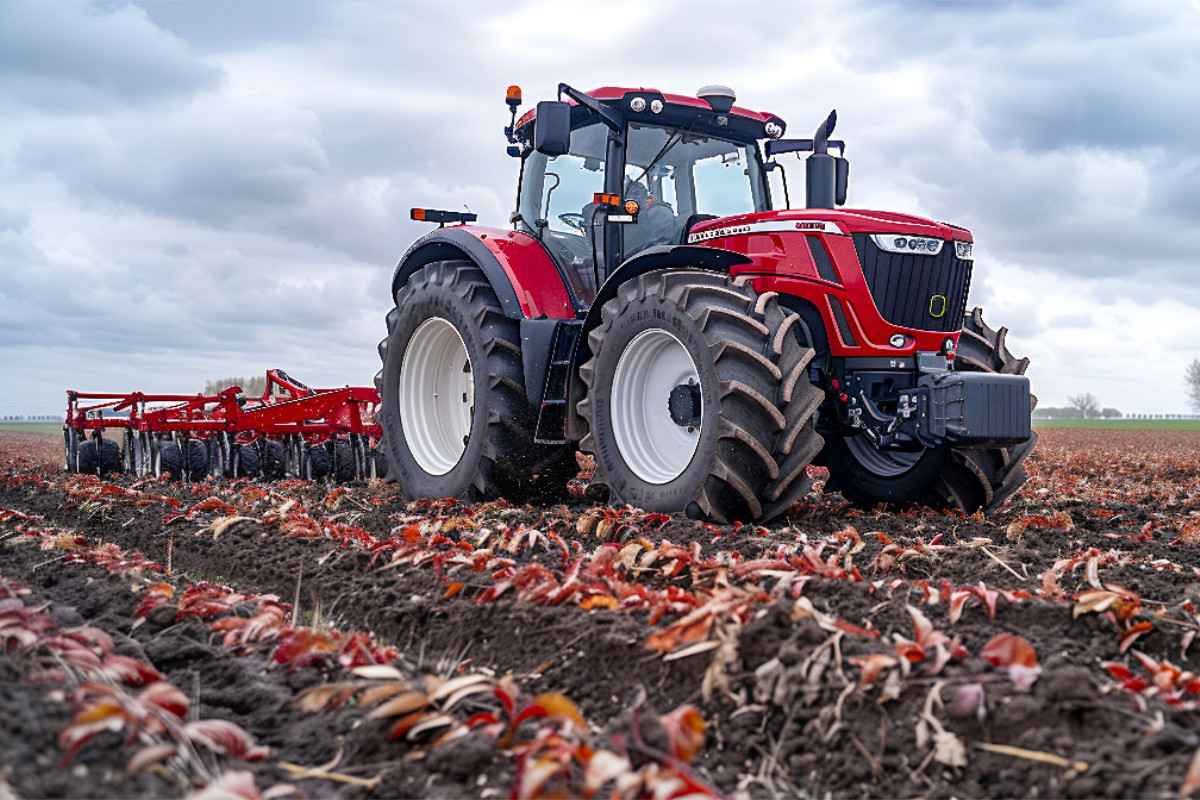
(787, 713)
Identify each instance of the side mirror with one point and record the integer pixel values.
(841, 180)
(552, 128)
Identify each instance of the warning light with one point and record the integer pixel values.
(601, 199)
(418, 213)
(513, 98)
(631, 206)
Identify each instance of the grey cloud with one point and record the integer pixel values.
(68, 57)
(207, 164)
(254, 219)
(227, 26)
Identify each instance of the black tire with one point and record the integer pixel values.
(500, 458)
(756, 428)
(170, 460)
(195, 459)
(319, 462)
(272, 461)
(998, 473)
(944, 477)
(343, 462)
(70, 449)
(248, 462)
(108, 462)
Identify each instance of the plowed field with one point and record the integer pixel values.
(298, 639)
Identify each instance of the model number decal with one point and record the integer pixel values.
(774, 226)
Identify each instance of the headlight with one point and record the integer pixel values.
(963, 251)
(638, 104)
(773, 130)
(656, 105)
(897, 243)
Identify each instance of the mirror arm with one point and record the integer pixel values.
(610, 118)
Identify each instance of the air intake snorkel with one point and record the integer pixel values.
(826, 177)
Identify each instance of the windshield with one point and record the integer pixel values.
(674, 175)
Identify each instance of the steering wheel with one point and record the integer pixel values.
(572, 220)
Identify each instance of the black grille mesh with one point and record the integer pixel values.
(903, 285)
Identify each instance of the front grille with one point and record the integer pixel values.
(903, 286)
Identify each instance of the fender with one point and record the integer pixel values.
(713, 259)
(522, 274)
(662, 257)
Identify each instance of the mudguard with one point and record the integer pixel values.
(525, 279)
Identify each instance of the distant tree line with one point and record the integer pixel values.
(1192, 376)
(1080, 406)
(252, 387)
(32, 418)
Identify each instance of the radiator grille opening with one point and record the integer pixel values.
(928, 293)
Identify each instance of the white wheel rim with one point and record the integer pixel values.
(437, 396)
(652, 444)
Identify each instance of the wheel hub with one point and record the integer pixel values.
(656, 406)
(684, 405)
(437, 396)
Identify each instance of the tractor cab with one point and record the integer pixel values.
(608, 175)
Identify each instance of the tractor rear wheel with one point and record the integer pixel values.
(698, 399)
(99, 457)
(456, 419)
(943, 477)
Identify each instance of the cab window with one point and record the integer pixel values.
(556, 195)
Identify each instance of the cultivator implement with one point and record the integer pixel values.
(293, 431)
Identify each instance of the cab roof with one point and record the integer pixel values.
(742, 122)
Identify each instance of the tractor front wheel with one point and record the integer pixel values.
(456, 419)
(968, 479)
(698, 399)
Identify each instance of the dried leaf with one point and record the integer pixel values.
(685, 731)
(149, 755)
(1132, 633)
(225, 738)
(430, 722)
(602, 767)
(318, 698)
(873, 666)
(1017, 655)
(454, 684)
(1191, 780)
(404, 704)
(374, 694)
(377, 672)
(691, 650)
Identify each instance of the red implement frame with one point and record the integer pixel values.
(298, 416)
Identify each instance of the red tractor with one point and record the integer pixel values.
(656, 306)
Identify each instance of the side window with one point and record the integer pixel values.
(571, 181)
(559, 191)
(722, 185)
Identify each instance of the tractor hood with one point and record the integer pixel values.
(825, 220)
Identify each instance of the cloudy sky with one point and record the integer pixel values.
(194, 190)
